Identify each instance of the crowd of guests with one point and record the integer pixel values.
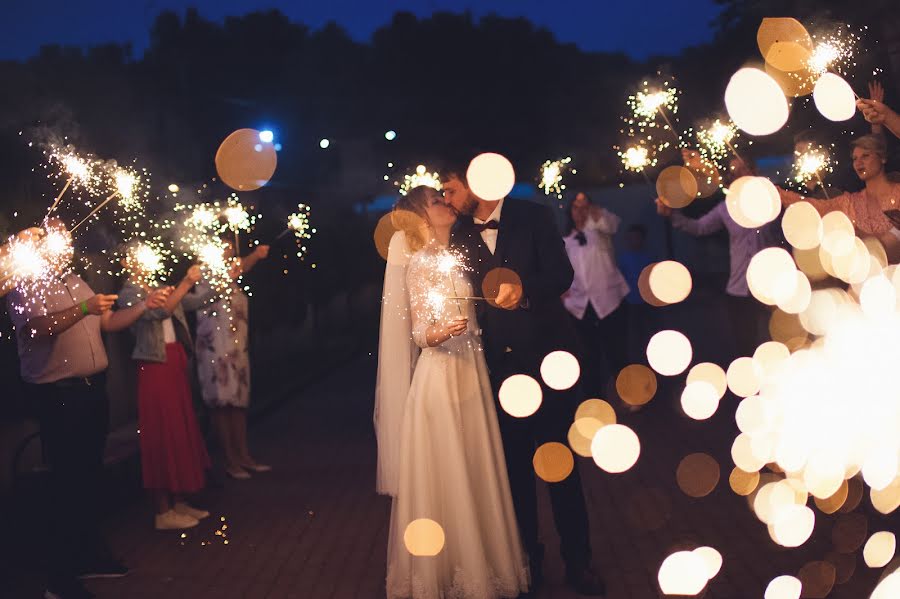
(59, 323)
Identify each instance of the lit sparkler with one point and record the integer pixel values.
(126, 185)
(298, 223)
(833, 52)
(636, 158)
(421, 176)
(714, 142)
(810, 164)
(79, 170)
(146, 262)
(552, 173)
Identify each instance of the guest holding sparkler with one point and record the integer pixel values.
(595, 298)
(58, 322)
(867, 208)
(223, 365)
(748, 316)
(173, 453)
(879, 114)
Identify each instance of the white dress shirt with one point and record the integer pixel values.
(490, 235)
(169, 331)
(598, 280)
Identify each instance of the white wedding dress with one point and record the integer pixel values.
(451, 464)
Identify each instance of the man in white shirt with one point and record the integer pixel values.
(58, 326)
(595, 299)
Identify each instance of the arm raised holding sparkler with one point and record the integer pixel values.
(248, 262)
(878, 113)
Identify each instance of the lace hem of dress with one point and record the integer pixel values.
(464, 586)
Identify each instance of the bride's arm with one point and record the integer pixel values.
(426, 331)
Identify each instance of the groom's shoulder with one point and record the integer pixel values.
(526, 209)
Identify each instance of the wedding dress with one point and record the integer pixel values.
(452, 468)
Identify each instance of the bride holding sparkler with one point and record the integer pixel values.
(453, 529)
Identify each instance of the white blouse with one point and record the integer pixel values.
(598, 279)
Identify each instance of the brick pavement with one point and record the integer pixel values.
(313, 528)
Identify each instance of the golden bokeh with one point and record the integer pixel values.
(742, 454)
(834, 98)
(743, 483)
(818, 579)
(888, 499)
(771, 276)
(799, 299)
(793, 525)
(888, 588)
(389, 224)
(855, 493)
(596, 409)
(755, 102)
(784, 587)
(743, 377)
(669, 352)
(581, 433)
(809, 263)
(676, 186)
(753, 202)
(560, 370)
(497, 277)
(245, 163)
(880, 549)
(837, 233)
(553, 462)
(697, 475)
(670, 281)
(708, 178)
(877, 251)
(615, 448)
(793, 84)
(787, 329)
(709, 373)
(712, 558)
(520, 395)
(751, 415)
(491, 176)
(644, 287)
(636, 384)
(784, 43)
(849, 532)
(844, 565)
(683, 573)
(835, 502)
(770, 356)
(699, 400)
(424, 537)
(802, 226)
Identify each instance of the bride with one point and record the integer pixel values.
(440, 454)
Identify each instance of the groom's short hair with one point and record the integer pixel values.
(454, 169)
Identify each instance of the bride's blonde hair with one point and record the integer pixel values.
(409, 215)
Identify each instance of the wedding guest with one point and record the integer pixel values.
(877, 113)
(748, 316)
(595, 298)
(58, 325)
(223, 365)
(173, 453)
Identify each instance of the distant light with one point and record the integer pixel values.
(277, 147)
(390, 135)
(173, 188)
(390, 165)
(258, 147)
(266, 136)
(324, 143)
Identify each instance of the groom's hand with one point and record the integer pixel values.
(508, 296)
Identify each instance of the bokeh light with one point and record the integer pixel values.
(520, 395)
(683, 573)
(242, 163)
(491, 176)
(784, 587)
(834, 98)
(553, 462)
(697, 475)
(424, 537)
(755, 102)
(709, 373)
(699, 400)
(636, 384)
(615, 448)
(670, 281)
(669, 352)
(676, 186)
(880, 549)
(560, 370)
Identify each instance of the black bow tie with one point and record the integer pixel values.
(582, 240)
(491, 224)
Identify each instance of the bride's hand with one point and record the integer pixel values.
(457, 326)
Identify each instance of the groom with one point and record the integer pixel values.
(522, 325)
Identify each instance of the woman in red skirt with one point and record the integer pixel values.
(173, 452)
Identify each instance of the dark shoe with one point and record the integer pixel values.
(70, 589)
(586, 582)
(107, 568)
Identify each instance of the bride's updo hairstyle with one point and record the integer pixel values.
(410, 217)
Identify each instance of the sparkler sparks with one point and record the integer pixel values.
(298, 222)
(31, 262)
(421, 176)
(552, 173)
(636, 158)
(810, 165)
(146, 262)
(833, 52)
(714, 142)
(644, 129)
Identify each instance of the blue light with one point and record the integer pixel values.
(390, 135)
(266, 136)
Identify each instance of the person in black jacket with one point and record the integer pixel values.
(518, 260)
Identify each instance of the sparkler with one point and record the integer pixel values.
(237, 219)
(126, 185)
(34, 261)
(552, 172)
(146, 262)
(810, 164)
(447, 264)
(298, 222)
(715, 141)
(637, 159)
(645, 105)
(421, 176)
(80, 171)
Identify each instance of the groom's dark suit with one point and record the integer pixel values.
(515, 342)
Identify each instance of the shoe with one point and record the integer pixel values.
(237, 473)
(586, 582)
(172, 520)
(70, 589)
(185, 509)
(107, 568)
(257, 467)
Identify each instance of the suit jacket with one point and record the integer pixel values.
(529, 244)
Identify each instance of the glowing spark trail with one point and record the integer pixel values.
(552, 173)
(421, 176)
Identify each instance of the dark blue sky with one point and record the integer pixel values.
(640, 28)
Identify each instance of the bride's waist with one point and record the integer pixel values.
(470, 338)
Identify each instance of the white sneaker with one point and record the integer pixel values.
(184, 509)
(172, 520)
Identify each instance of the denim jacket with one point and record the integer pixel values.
(149, 341)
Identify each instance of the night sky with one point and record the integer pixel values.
(639, 28)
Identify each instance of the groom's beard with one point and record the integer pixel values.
(469, 207)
